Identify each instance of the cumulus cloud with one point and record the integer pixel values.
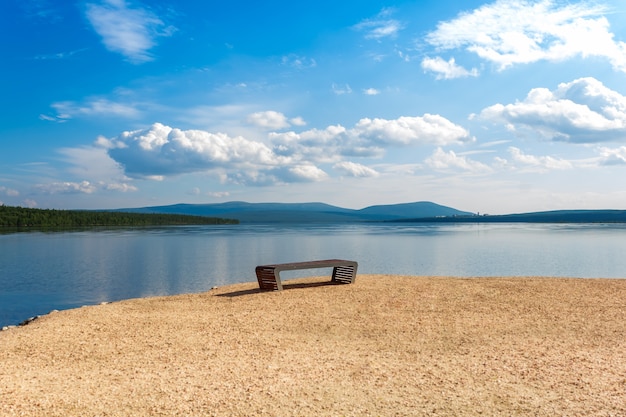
(510, 32)
(581, 111)
(131, 32)
(273, 120)
(443, 161)
(368, 138)
(353, 169)
(381, 26)
(446, 70)
(406, 130)
(297, 121)
(319, 145)
(160, 151)
(541, 162)
(305, 173)
(268, 120)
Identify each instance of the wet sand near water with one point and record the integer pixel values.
(384, 346)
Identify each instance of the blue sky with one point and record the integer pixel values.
(491, 107)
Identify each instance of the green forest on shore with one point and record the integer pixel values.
(20, 217)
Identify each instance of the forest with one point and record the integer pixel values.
(20, 217)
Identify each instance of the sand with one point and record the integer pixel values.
(384, 346)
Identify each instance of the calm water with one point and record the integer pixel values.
(40, 272)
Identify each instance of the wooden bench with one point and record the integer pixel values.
(269, 275)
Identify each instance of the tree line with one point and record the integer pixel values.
(20, 217)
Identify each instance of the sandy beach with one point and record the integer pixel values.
(384, 346)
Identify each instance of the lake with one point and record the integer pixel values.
(43, 271)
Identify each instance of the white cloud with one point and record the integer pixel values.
(381, 26)
(610, 156)
(541, 162)
(510, 32)
(446, 70)
(582, 111)
(270, 120)
(125, 30)
(368, 138)
(297, 121)
(406, 130)
(162, 150)
(327, 145)
(94, 107)
(121, 187)
(441, 160)
(371, 92)
(273, 120)
(306, 173)
(83, 187)
(353, 169)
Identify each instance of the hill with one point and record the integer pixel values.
(424, 209)
(304, 212)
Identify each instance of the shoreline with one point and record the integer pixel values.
(29, 320)
(386, 345)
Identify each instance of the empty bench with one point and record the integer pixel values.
(269, 275)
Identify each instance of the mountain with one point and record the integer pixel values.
(304, 212)
(410, 210)
(423, 211)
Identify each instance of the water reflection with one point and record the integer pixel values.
(41, 271)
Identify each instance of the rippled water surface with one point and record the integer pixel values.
(41, 271)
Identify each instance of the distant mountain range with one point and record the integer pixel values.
(305, 212)
(423, 211)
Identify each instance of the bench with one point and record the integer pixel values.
(344, 272)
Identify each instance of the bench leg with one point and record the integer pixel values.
(279, 283)
(269, 279)
(344, 274)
